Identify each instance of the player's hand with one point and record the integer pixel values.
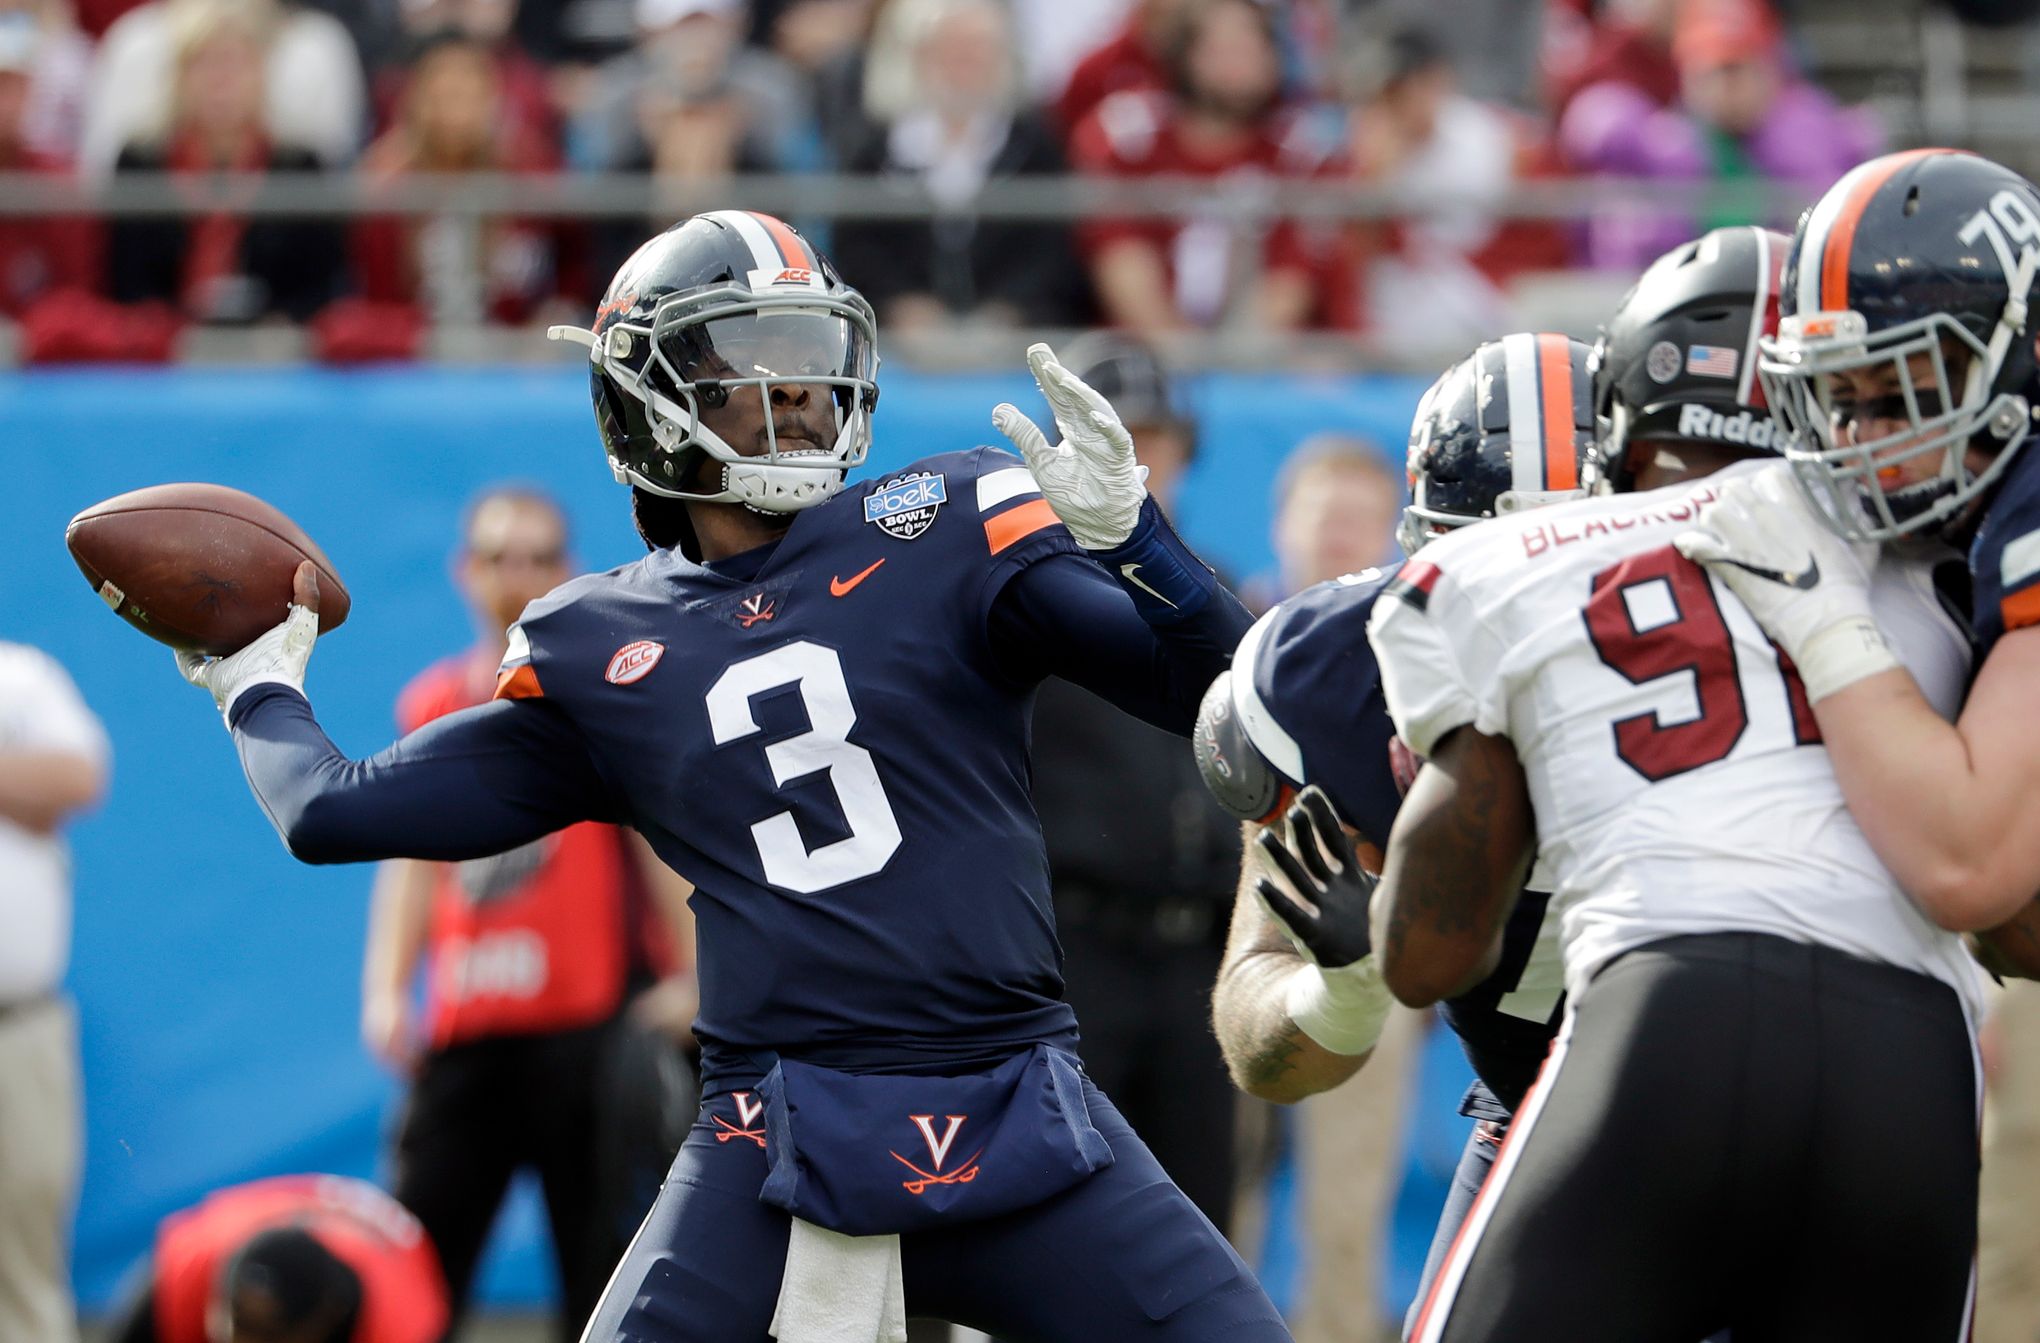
(1806, 586)
(386, 1031)
(277, 656)
(1090, 478)
(1317, 862)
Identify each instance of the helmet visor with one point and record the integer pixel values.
(781, 344)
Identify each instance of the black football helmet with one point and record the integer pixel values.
(1678, 360)
(1926, 255)
(1501, 430)
(728, 303)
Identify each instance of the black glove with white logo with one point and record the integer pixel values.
(1317, 860)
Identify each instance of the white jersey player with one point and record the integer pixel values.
(1759, 1113)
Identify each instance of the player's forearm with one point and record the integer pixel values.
(1461, 846)
(468, 785)
(1196, 620)
(1940, 807)
(1267, 1054)
(38, 789)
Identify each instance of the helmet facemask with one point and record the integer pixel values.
(703, 348)
(1799, 368)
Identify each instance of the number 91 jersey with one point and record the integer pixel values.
(1673, 762)
(817, 735)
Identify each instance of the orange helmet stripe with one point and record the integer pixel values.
(1555, 384)
(791, 249)
(1841, 234)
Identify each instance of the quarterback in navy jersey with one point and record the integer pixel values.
(1298, 1005)
(1907, 367)
(812, 699)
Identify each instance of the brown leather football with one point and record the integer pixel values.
(199, 567)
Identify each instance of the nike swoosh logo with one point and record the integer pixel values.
(840, 587)
(1131, 573)
(1803, 580)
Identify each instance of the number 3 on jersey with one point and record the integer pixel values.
(1684, 633)
(824, 747)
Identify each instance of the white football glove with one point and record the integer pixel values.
(1806, 586)
(1090, 478)
(277, 656)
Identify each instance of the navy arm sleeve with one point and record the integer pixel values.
(1065, 615)
(468, 785)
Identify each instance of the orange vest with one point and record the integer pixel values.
(403, 1296)
(531, 941)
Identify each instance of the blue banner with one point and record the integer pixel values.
(217, 979)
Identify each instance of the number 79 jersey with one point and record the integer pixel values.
(1674, 764)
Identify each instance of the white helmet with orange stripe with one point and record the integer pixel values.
(1904, 364)
(729, 304)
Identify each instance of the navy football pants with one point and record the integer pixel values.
(1123, 1255)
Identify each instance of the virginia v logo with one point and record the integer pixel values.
(749, 1107)
(963, 1172)
(938, 1149)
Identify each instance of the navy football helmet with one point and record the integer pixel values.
(728, 303)
(1501, 430)
(1678, 360)
(1913, 263)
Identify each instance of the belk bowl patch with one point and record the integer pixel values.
(905, 506)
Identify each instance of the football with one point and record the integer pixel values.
(200, 567)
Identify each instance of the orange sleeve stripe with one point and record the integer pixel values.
(1017, 524)
(1561, 462)
(2021, 609)
(519, 683)
(1834, 261)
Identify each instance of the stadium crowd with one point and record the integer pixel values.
(938, 97)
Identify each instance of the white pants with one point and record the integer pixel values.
(39, 1121)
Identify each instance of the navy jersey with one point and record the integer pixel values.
(827, 747)
(2004, 560)
(827, 734)
(1313, 707)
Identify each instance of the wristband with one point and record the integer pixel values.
(1166, 580)
(1841, 655)
(1343, 1009)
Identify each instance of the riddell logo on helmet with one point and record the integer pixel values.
(1741, 427)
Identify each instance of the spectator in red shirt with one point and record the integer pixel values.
(1133, 60)
(38, 257)
(1616, 41)
(1224, 117)
(523, 85)
(452, 119)
(1433, 275)
(531, 959)
(296, 1259)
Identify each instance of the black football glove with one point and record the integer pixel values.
(1320, 865)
